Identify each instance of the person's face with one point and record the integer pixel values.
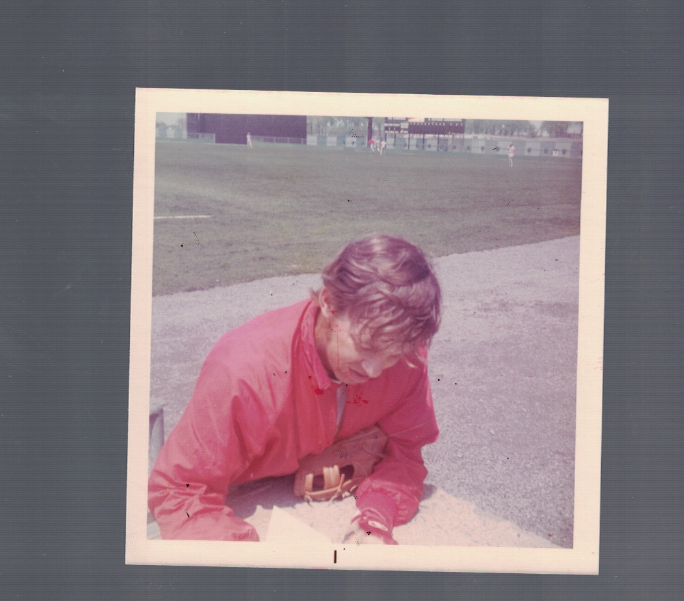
(341, 356)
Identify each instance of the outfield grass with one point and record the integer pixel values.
(278, 210)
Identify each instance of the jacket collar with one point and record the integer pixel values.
(308, 334)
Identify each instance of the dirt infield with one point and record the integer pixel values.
(502, 370)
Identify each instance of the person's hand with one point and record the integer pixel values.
(357, 535)
(368, 528)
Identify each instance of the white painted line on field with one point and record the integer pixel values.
(182, 216)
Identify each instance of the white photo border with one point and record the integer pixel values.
(583, 558)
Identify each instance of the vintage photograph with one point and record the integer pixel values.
(353, 336)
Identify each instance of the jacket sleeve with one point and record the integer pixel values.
(396, 485)
(214, 442)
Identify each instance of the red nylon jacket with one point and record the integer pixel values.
(262, 401)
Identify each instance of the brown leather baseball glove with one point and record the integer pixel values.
(338, 470)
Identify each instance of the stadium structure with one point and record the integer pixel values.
(233, 129)
(399, 134)
(448, 135)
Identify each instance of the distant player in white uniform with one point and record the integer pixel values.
(383, 144)
(511, 154)
(249, 140)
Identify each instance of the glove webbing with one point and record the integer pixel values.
(332, 475)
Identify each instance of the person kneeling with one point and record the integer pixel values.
(294, 381)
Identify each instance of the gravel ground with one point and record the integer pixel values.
(502, 368)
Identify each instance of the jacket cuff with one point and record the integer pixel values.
(381, 503)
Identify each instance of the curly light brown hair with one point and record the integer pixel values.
(388, 288)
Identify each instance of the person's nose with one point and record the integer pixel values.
(373, 367)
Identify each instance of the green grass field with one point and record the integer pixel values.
(282, 210)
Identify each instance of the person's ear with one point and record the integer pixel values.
(325, 302)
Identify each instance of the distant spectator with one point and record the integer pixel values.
(511, 154)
